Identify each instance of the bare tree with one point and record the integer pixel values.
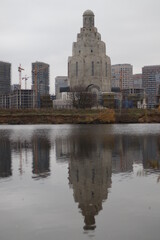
(81, 98)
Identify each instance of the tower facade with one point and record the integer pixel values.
(89, 66)
(40, 74)
(5, 77)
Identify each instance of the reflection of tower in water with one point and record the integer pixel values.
(41, 156)
(5, 157)
(90, 176)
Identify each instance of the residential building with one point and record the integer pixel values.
(121, 76)
(40, 78)
(151, 83)
(5, 77)
(137, 81)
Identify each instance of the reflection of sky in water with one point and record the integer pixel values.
(52, 176)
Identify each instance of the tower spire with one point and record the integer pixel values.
(88, 19)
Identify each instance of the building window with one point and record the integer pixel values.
(76, 69)
(92, 69)
(68, 68)
(106, 69)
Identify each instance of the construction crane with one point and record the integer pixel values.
(121, 79)
(20, 69)
(26, 78)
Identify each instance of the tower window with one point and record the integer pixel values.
(106, 70)
(92, 69)
(76, 69)
(91, 50)
(68, 68)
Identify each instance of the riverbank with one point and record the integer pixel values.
(50, 116)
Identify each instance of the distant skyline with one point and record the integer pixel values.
(45, 30)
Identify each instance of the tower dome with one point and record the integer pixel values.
(88, 13)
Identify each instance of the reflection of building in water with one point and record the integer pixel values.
(41, 156)
(63, 149)
(126, 151)
(5, 157)
(151, 152)
(144, 149)
(22, 147)
(90, 176)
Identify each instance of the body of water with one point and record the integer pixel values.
(80, 182)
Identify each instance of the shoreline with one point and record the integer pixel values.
(78, 116)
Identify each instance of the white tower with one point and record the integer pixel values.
(89, 66)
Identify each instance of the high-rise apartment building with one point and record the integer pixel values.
(5, 77)
(121, 76)
(151, 83)
(40, 78)
(137, 81)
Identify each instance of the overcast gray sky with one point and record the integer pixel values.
(44, 30)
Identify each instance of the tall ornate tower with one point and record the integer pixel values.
(89, 66)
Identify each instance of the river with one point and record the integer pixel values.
(80, 182)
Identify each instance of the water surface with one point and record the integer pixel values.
(80, 182)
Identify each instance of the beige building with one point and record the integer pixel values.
(89, 66)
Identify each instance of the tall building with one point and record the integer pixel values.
(61, 85)
(40, 78)
(151, 83)
(89, 66)
(5, 77)
(137, 81)
(122, 76)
